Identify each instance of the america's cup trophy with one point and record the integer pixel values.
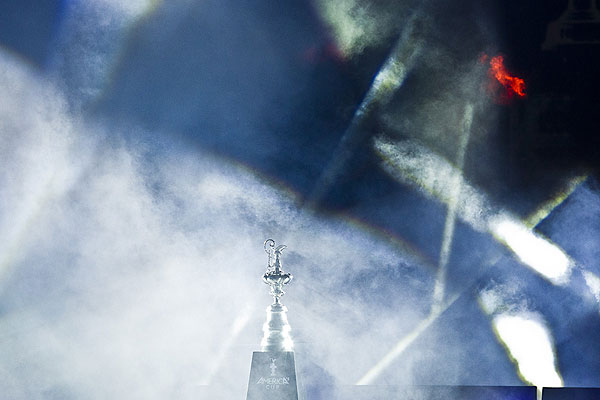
(273, 370)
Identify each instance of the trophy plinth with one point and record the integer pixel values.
(273, 370)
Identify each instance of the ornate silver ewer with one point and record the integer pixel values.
(276, 329)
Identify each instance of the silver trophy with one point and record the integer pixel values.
(276, 329)
(273, 369)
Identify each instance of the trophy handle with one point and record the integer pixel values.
(270, 249)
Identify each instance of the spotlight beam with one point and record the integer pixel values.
(388, 80)
(438, 306)
(546, 208)
(238, 325)
(454, 198)
(15, 243)
(405, 342)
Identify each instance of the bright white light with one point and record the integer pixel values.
(529, 343)
(533, 250)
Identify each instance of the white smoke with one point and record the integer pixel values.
(125, 276)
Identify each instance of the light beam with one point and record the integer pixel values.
(238, 325)
(440, 282)
(404, 343)
(387, 81)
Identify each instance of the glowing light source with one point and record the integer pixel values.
(530, 345)
(538, 253)
(524, 334)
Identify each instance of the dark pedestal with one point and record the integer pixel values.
(571, 393)
(272, 376)
(387, 392)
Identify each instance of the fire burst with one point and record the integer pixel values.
(511, 83)
(497, 71)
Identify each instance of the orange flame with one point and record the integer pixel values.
(511, 83)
